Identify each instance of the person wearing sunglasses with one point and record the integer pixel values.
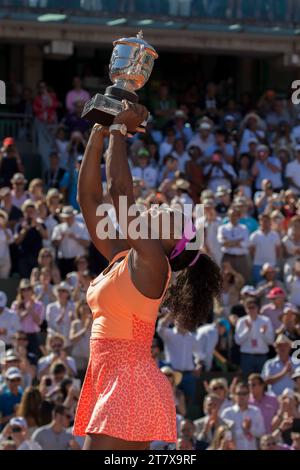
(247, 420)
(254, 333)
(17, 430)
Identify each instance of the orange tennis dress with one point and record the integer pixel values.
(124, 393)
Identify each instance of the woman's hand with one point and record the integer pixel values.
(132, 116)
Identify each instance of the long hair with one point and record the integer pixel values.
(190, 297)
(30, 404)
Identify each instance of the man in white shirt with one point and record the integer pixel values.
(277, 372)
(144, 170)
(207, 337)
(219, 173)
(234, 240)
(292, 172)
(9, 321)
(59, 314)
(71, 238)
(55, 346)
(254, 333)
(247, 421)
(181, 350)
(265, 247)
(203, 138)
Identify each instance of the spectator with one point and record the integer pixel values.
(45, 104)
(292, 172)
(10, 161)
(54, 436)
(80, 335)
(204, 137)
(263, 196)
(56, 354)
(277, 372)
(62, 145)
(291, 243)
(10, 395)
(248, 423)
(267, 404)
(6, 239)
(29, 238)
(29, 408)
(251, 128)
(243, 206)
(211, 227)
(30, 312)
(207, 338)
(296, 378)
(232, 284)
(76, 126)
(163, 106)
(219, 387)
(254, 333)
(290, 319)
(46, 260)
(18, 193)
(46, 219)
(244, 176)
(234, 239)
(144, 170)
(17, 429)
(219, 173)
(76, 94)
(9, 321)
(287, 413)
(194, 174)
(293, 284)
(54, 175)
(60, 314)
(223, 440)
(269, 280)
(175, 341)
(175, 378)
(264, 246)
(183, 130)
(36, 190)
(71, 239)
(266, 167)
(207, 427)
(223, 200)
(43, 289)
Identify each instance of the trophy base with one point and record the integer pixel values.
(102, 109)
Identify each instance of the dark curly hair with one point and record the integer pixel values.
(190, 297)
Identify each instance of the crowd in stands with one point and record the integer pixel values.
(237, 156)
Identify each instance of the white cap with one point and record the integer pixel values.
(13, 373)
(3, 299)
(18, 421)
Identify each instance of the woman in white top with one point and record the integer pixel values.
(6, 239)
(291, 243)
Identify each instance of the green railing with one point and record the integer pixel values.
(278, 11)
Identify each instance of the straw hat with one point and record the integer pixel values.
(167, 370)
(268, 267)
(67, 211)
(181, 184)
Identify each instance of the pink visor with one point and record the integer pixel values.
(188, 234)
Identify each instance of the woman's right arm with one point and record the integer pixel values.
(90, 194)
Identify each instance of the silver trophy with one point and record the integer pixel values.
(130, 67)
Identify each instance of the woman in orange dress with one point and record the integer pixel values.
(126, 401)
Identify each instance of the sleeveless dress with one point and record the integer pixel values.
(124, 393)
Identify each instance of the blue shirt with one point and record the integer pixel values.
(273, 367)
(70, 181)
(8, 401)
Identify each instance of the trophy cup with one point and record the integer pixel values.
(130, 67)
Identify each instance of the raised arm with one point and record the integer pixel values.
(148, 261)
(90, 193)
